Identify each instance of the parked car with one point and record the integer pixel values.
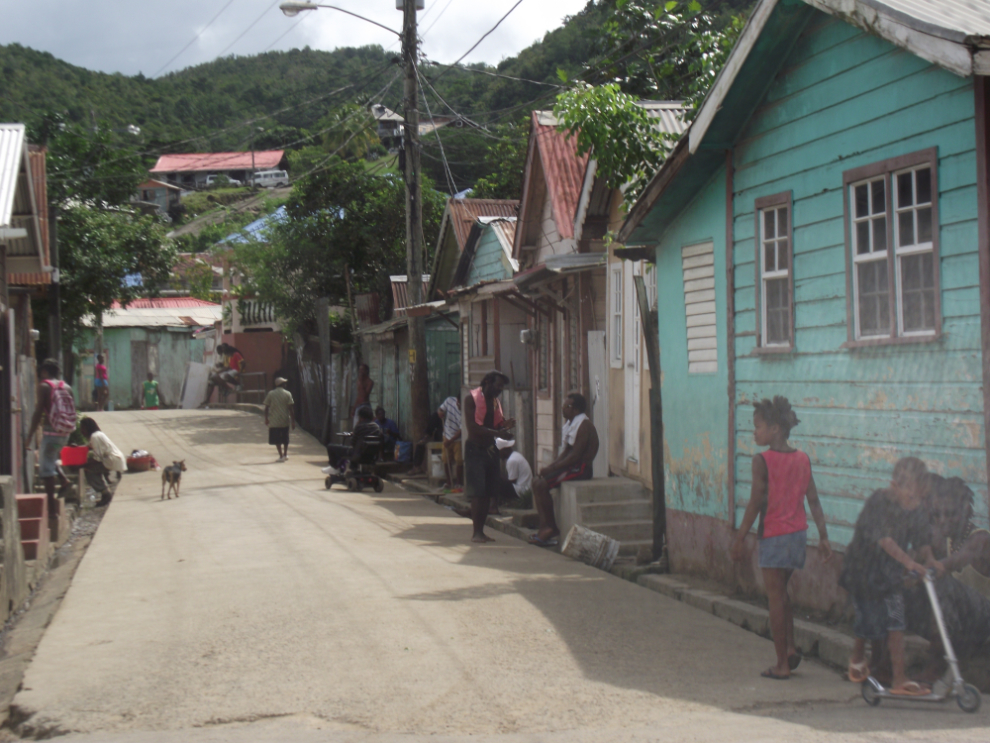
(221, 180)
(270, 178)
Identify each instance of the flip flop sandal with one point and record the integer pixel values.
(551, 542)
(793, 660)
(769, 674)
(858, 672)
(911, 689)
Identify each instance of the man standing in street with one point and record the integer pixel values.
(578, 447)
(362, 398)
(453, 457)
(57, 408)
(484, 422)
(279, 415)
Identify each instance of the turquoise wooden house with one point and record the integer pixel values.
(821, 232)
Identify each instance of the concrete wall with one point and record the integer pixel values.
(13, 580)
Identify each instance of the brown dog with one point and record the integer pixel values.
(172, 476)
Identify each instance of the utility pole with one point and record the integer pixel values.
(419, 384)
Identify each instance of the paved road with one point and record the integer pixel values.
(261, 607)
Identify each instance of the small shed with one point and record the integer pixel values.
(149, 335)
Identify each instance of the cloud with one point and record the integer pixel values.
(114, 36)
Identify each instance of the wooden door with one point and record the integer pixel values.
(139, 371)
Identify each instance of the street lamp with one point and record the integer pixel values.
(292, 9)
(418, 382)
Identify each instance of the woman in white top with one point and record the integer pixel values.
(104, 458)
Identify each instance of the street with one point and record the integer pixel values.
(261, 607)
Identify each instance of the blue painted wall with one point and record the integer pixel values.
(845, 99)
(695, 406)
(490, 262)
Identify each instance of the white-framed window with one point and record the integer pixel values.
(892, 215)
(615, 314)
(774, 272)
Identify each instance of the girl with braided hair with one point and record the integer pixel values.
(781, 481)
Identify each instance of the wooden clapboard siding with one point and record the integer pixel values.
(844, 99)
(549, 242)
(490, 262)
(695, 406)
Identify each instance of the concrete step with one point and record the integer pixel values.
(607, 490)
(636, 548)
(614, 511)
(625, 531)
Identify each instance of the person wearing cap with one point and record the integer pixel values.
(483, 422)
(519, 475)
(279, 416)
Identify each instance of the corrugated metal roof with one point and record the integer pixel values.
(955, 20)
(462, 213)
(211, 161)
(669, 115)
(400, 293)
(23, 207)
(147, 317)
(29, 279)
(152, 183)
(563, 169)
(165, 303)
(255, 230)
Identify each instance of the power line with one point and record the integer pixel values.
(194, 39)
(244, 32)
(436, 131)
(435, 20)
(484, 36)
(287, 32)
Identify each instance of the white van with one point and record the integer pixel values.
(216, 180)
(270, 178)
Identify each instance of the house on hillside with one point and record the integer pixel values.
(154, 335)
(190, 170)
(25, 273)
(158, 197)
(824, 219)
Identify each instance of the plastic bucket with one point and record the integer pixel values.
(74, 456)
(590, 547)
(436, 467)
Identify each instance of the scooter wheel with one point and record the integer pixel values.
(379, 486)
(353, 485)
(870, 695)
(969, 700)
(328, 482)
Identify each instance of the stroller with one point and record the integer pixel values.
(360, 473)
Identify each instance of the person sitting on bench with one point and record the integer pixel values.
(364, 432)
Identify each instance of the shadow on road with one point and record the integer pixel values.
(665, 648)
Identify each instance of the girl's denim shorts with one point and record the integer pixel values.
(786, 551)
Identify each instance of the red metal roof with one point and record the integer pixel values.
(400, 293)
(159, 303)
(211, 161)
(563, 170)
(37, 157)
(29, 279)
(464, 212)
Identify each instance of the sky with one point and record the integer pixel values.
(131, 36)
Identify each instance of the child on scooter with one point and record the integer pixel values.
(876, 564)
(781, 481)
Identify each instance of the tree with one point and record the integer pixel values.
(340, 221)
(108, 255)
(659, 49)
(504, 160)
(107, 250)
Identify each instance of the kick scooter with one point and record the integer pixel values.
(952, 685)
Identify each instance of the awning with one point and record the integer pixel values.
(558, 265)
(642, 253)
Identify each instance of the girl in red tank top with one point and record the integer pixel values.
(782, 480)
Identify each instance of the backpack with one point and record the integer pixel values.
(61, 409)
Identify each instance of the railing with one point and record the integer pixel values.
(255, 312)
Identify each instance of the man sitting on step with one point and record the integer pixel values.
(578, 447)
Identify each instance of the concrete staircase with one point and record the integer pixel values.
(617, 507)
